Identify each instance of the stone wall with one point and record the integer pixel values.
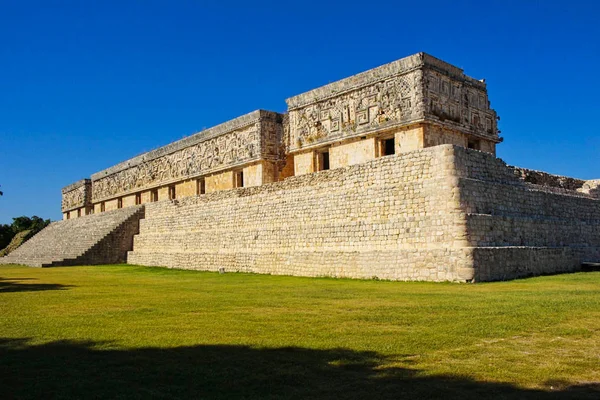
(396, 217)
(304, 163)
(556, 182)
(186, 188)
(354, 152)
(410, 139)
(457, 101)
(519, 228)
(442, 213)
(221, 181)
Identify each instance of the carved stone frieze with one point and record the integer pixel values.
(271, 136)
(381, 104)
(245, 139)
(76, 195)
(414, 89)
(459, 103)
(237, 147)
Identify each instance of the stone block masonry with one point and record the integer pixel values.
(249, 139)
(391, 218)
(439, 214)
(92, 239)
(518, 228)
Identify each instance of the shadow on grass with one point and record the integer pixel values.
(15, 285)
(69, 369)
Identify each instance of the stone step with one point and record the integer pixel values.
(101, 238)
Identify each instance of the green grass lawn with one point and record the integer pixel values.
(135, 332)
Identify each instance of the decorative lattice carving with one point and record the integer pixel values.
(386, 102)
(460, 103)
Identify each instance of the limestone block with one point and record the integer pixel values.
(111, 205)
(253, 175)
(129, 201)
(146, 196)
(304, 163)
(163, 193)
(409, 139)
(221, 181)
(435, 135)
(352, 153)
(186, 188)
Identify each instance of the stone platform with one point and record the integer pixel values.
(444, 213)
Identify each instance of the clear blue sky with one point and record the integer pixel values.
(87, 84)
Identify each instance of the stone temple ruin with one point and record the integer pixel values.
(390, 173)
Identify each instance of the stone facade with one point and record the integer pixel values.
(77, 199)
(390, 173)
(414, 89)
(416, 102)
(252, 138)
(518, 228)
(444, 213)
(419, 100)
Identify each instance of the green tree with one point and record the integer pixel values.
(23, 223)
(6, 235)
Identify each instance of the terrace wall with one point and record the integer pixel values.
(441, 213)
(518, 228)
(396, 217)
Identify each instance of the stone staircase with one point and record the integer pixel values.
(101, 238)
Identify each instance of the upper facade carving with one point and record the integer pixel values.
(413, 89)
(416, 89)
(77, 195)
(378, 106)
(249, 138)
(459, 104)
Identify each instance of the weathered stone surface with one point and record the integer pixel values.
(411, 90)
(518, 228)
(442, 213)
(77, 195)
(93, 239)
(405, 198)
(392, 218)
(252, 137)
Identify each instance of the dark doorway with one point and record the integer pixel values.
(389, 146)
